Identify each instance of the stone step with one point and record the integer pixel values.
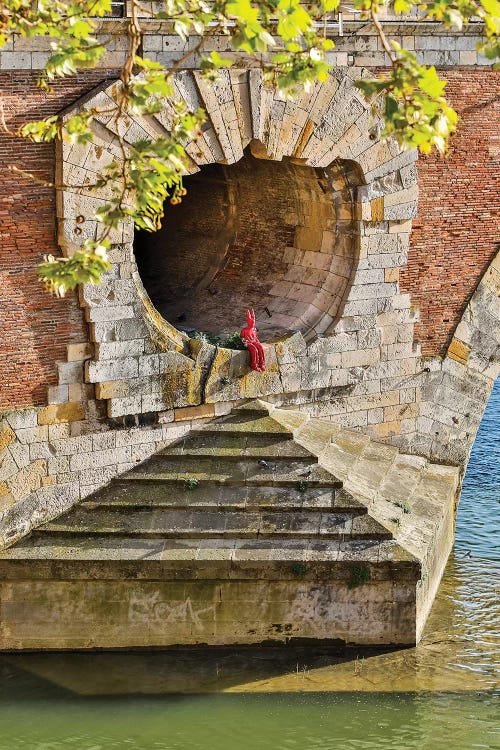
(225, 497)
(196, 524)
(60, 553)
(245, 422)
(226, 470)
(267, 446)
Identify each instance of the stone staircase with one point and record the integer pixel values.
(233, 535)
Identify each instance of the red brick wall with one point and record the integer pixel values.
(34, 327)
(457, 228)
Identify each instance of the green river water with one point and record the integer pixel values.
(442, 695)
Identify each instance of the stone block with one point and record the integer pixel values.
(79, 352)
(104, 441)
(57, 394)
(119, 330)
(6, 497)
(8, 467)
(97, 459)
(70, 372)
(459, 351)
(391, 274)
(112, 389)
(370, 291)
(30, 435)
(7, 436)
(360, 358)
(22, 418)
(149, 364)
(137, 436)
(204, 411)
(118, 407)
(57, 413)
(39, 450)
(377, 209)
(106, 314)
(120, 369)
(58, 431)
(370, 276)
(164, 417)
(28, 479)
(119, 349)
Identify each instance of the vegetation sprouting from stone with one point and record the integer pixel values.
(191, 483)
(233, 341)
(360, 574)
(301, 486)
(228, 341)
(285, 39)
(403, 505)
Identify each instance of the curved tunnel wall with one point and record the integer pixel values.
(258, 233)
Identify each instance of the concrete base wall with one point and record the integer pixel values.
(89, 614)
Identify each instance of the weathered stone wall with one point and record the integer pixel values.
(359, 45)
(100, 614)
(361, 368)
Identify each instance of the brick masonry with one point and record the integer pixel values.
(455, 234)
(34, 327)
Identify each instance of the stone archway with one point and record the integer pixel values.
(143, 362)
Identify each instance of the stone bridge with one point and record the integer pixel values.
(214, 504)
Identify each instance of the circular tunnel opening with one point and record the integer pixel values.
(257, 233)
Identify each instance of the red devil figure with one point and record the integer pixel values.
(250, 338)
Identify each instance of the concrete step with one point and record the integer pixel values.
(273, 446)
(224, 497)
(197, 524)
(225, 470)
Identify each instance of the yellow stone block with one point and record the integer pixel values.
(49, 481)
(7, 436)
(204, 411)
(386, 429)
(459, 351)
(57, 413)
(112, 389)
(307, 131)
(78, 352)
(308, 238)
(391, 274)
(29, 479)
(377, 205)
(6, 497)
